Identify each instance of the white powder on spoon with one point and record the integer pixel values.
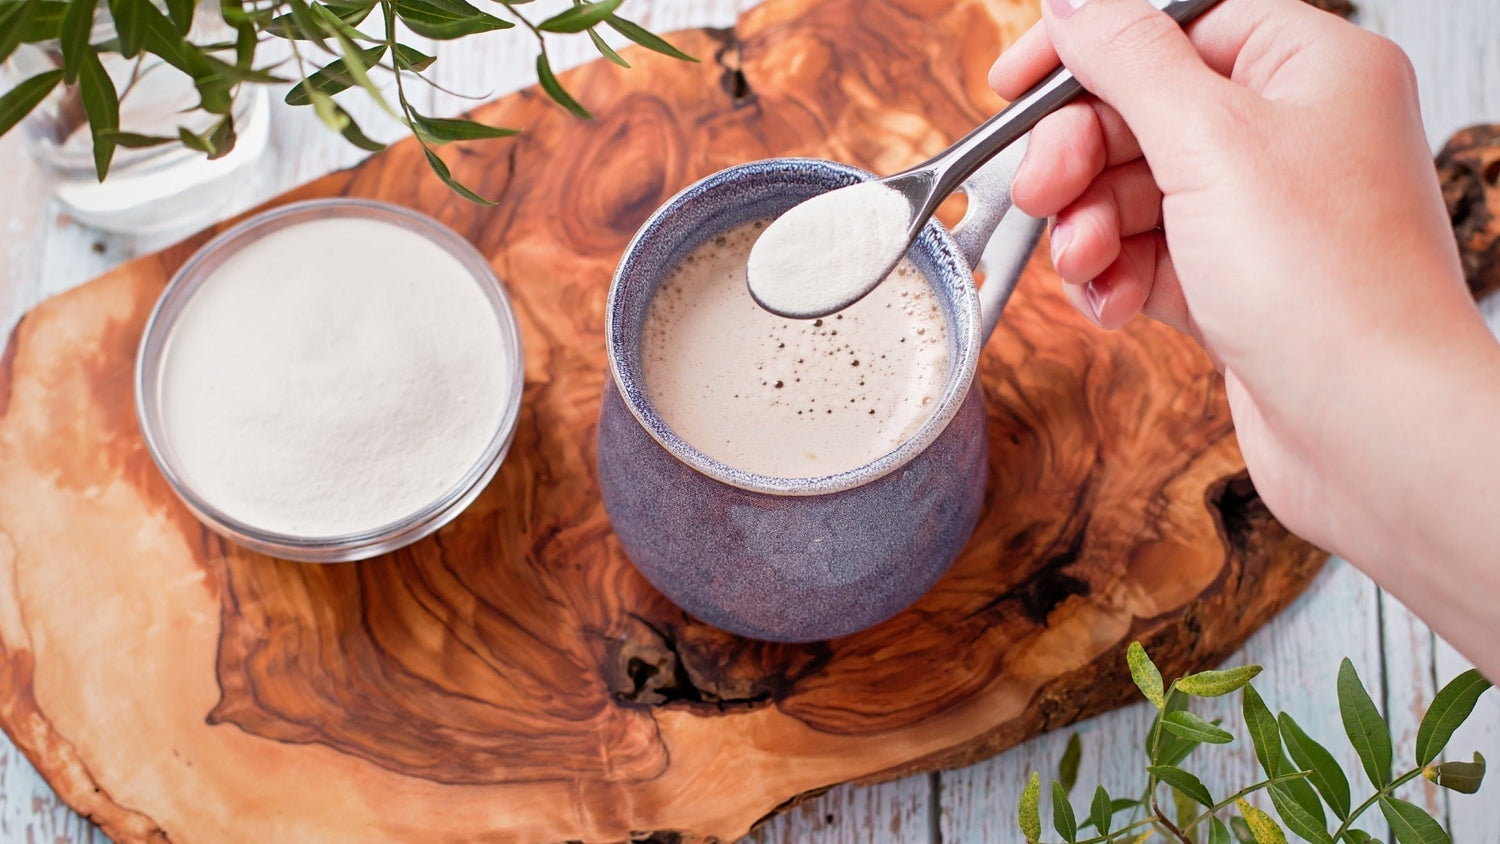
(825, 253)
(333, 377)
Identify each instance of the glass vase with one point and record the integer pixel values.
(154, 190)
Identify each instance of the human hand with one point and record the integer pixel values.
(1305, 241)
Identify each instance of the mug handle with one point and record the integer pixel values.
(991, 223)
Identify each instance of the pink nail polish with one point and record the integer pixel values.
(1096, 297)
(1062, 235)
(1064, 8)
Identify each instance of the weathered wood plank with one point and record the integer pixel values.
(1408, 645)
(898, 812)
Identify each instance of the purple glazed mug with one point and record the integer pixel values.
(803, 559)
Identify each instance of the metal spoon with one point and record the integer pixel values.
(926, 185)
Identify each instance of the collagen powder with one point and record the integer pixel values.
(333, 377)
(824, 253)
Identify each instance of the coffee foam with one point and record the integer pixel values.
(790, 398)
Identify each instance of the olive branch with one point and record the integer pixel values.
(329, 54)
(1308, 790)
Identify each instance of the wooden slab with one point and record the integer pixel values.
(513, 678)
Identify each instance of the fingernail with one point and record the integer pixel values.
(1062, 235)
(1064, 8)
(1096, 296)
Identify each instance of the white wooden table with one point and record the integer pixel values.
(1455, 45)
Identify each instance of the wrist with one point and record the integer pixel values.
(1421, 464)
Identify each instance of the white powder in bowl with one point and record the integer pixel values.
(333, 377)
(823, 254)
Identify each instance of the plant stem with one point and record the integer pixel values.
(1217, 807)
(1167, 824)
(1381, 792)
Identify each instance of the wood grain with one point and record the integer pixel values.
(513, 678)
(1469, 168)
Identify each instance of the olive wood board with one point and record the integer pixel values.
(512, 678)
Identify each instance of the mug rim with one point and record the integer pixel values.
(632, 387)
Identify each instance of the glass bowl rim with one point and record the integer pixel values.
(153, 349)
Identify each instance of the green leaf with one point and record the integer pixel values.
(146, 28)
(355, 136)
(1145, 674)
(1190, 726)
(1359, 836)
(216, 143)
(1218, 833)
(356, 65)
(1301, 812)
(446, 19)
(442, 130)
(45, 22)
(102, 106)
(459, 188)
(20, 100)
(14, 18)
(1163, 747)
(236, 15)
(1264, 732)
(339, 120)
(1063, 819)
(351, 13)
(1463, 777)
(194, 141)
(1029, 815)
(639, 34)
(1184, 808)
(1067, 767)
(1410, 823)
(411, 59)
(222, 138)
(334, 25)
(245, 41)
(1101, 813)
(130, 17)
(332, 116)
(132, 140)
(1327, 775)
(1184, 782)
(555, 89)
(580, 17)
(1452, 706)
(181, 14)
(1367, 730)
(305, 24)
(77, 26)
(1262, 827)
(332, 78)
(1217, 683)
(605, 50)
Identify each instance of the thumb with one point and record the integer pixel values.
(1135, 57)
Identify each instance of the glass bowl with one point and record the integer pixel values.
(322, 549)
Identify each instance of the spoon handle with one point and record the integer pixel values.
(960, 161)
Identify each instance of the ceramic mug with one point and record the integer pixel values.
(803, 559)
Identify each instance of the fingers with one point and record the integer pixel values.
(1122, 203)
(1141, 280)
(1067, 151)
(1139, 60)
(1024, 63)
(1235, 38)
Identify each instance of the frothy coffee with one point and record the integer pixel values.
(790, 398)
